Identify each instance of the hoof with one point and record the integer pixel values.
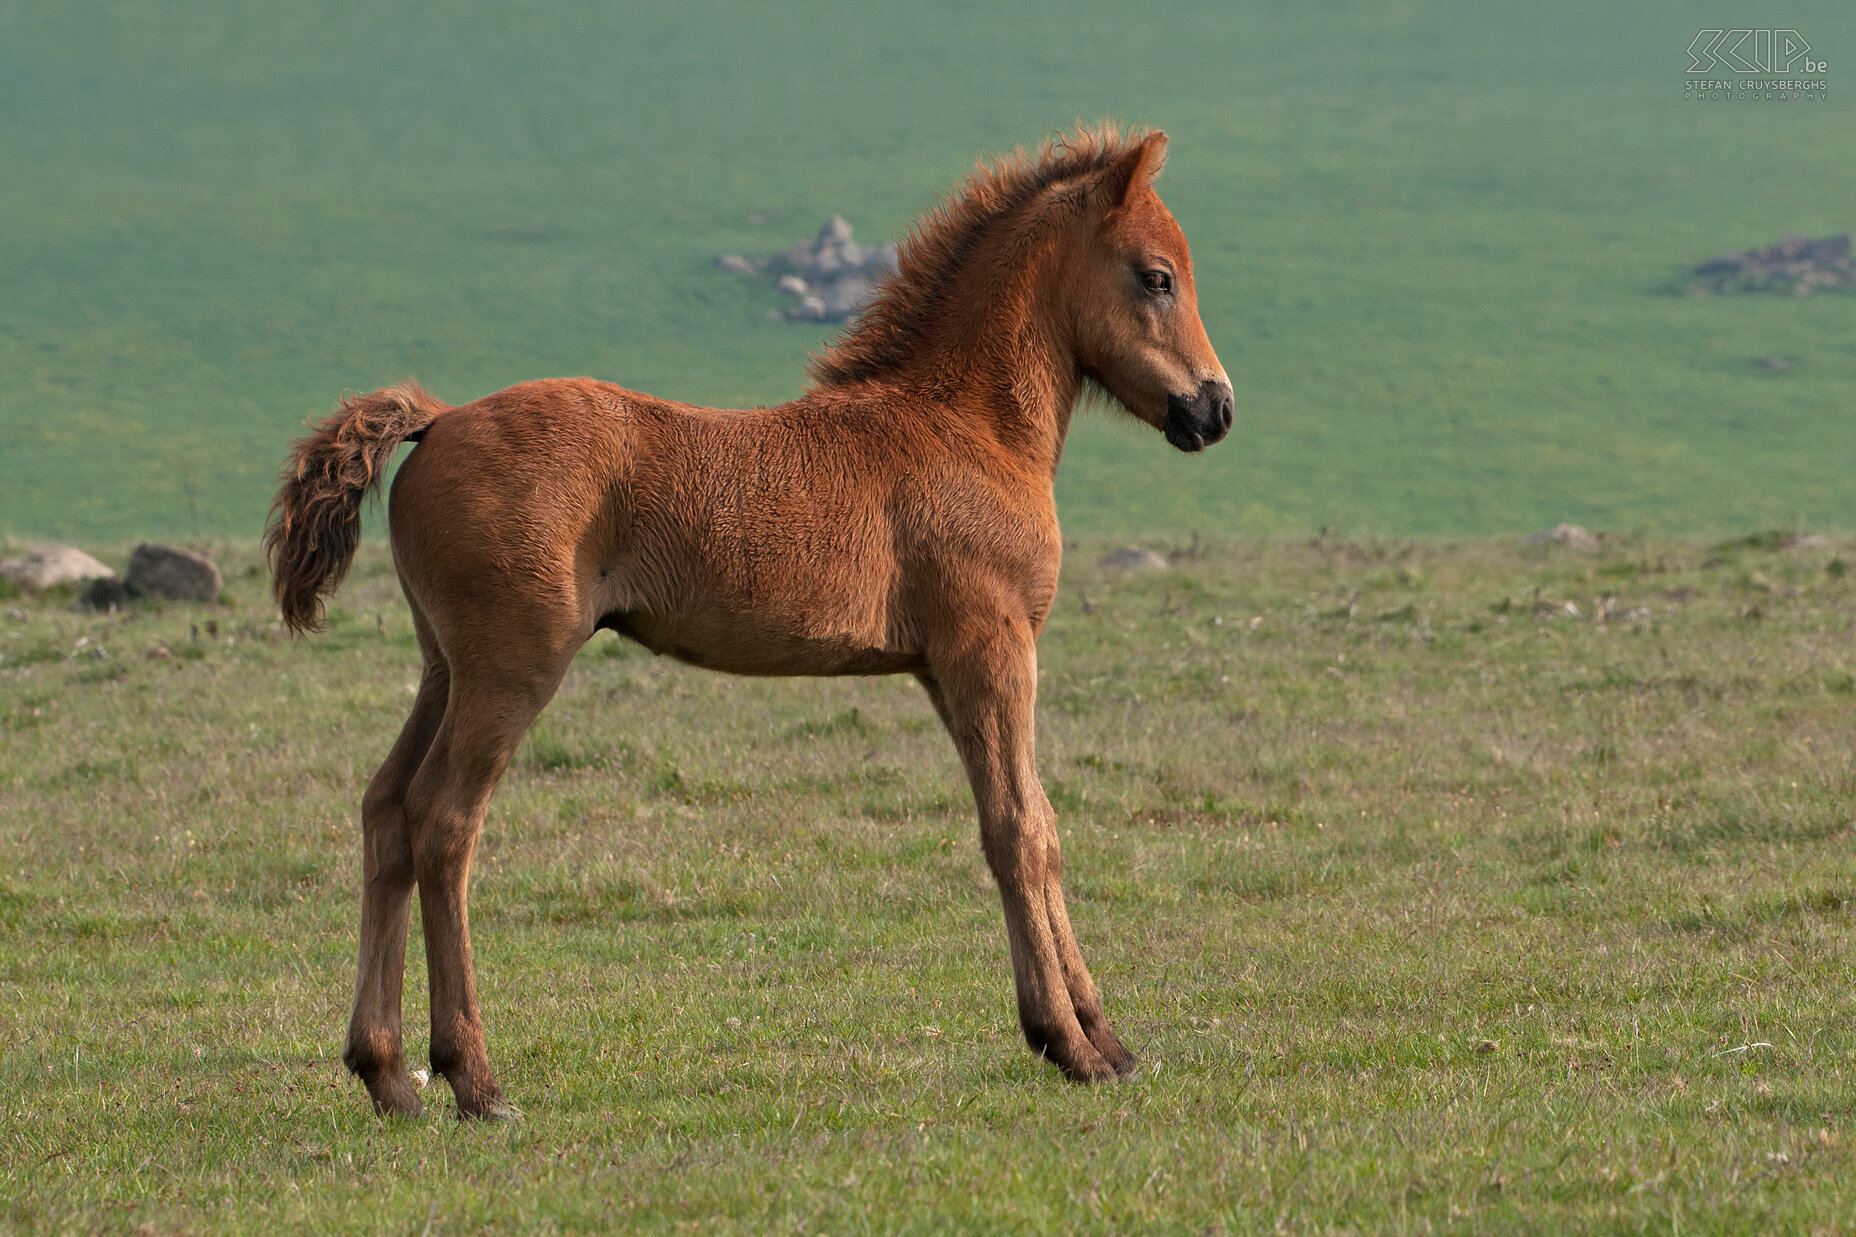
(1118, 1057)
(496, 1109)
(395, 1097)
(1072, 1053)
(1080, 1063)
(474, 1089)
(1090, 1072)
(393, 1090)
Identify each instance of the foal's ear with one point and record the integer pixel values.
(1135, 170)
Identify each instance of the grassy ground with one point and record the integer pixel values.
(1432, 238)
(1429, 904)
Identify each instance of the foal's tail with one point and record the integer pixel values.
(316, 517)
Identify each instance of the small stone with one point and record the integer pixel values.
(45, 566)
(798, 258)
(1133, 558)
(845, 297)
(1793, 264)
(1572, 536)
(833, 275)
(173, 573)
(811, 309)
(104, 595)
(880, 260)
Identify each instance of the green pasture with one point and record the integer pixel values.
(1434, 240)
(1441, 887)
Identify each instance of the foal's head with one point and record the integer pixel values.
(1138, 331)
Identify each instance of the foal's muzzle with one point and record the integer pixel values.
(1196, 421)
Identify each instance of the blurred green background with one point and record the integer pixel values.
(1433, 240)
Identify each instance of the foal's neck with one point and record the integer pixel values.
(1002, 351)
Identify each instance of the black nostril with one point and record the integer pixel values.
(1224, 411)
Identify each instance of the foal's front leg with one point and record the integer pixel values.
(987, 695)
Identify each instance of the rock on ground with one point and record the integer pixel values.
(1133, 558)
(831, 275)
(1572, 536)
(173, 573)
(105, 595)
(49, 565)
(1791, 266)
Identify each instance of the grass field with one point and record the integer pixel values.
(1428, 904)
(1432, 238)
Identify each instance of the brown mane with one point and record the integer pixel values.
(939, 243)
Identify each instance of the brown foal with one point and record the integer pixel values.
(897, 518)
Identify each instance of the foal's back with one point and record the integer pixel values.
(817, 537)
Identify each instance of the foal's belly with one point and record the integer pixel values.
(743, 644)
(746, 576)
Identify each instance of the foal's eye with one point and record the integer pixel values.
(1157, 282)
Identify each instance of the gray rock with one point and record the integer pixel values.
(811, 309)
(798, 258)
(173, 573)
(105, 594)
(1792, 264)
(1133, 558)
(845, 297)
(49, 565)
(880, 261)
(1572, 536)
(832, 275)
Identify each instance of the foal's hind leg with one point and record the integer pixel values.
(1083, 995)
(986, 694)
(493, 699)
(373, 1051)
